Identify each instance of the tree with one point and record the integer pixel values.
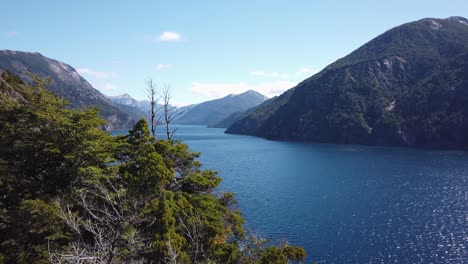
(273, 255)
(103, 220)
(153, 98)
(170, 112)
(44, 150)
(295, 253)
(70, 192)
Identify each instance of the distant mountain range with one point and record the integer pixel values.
(126, 99)
(406, 87)
(144, 106)
(212, 113)
(68, 84)
(121, 111)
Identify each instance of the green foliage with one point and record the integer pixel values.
(70, 192)
(43, 148)
(200, 182)
(44, 144)
(141, 164)
(295, 253)
(65, 84)
(178, 156)
(273, 255)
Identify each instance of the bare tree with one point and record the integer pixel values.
(172, 254)
(170, 112)
(153, 98)
(105, 219)
(193, 231)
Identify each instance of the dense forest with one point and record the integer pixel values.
(72, 193)
(406, 87)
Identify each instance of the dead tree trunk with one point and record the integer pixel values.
(170, 112)
(152, 96)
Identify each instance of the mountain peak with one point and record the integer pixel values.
(436, 23)
(13, 52)
(248, 93)
(66, 83)
(213, 111)
(122, 96)
(458, 19)
(252, 93)
(432, 23)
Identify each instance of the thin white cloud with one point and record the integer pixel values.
(168, 36)
(96, 74)
(278, 84)
(307, 71)
(109, 87)
(269, 74)
(181, 103)
(161, 67)
(11, 34)
(258, 73)
(216, 90)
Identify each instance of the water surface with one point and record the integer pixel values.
(345, 203)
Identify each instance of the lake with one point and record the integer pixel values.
(345, 203)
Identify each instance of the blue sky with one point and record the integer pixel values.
(204, 49)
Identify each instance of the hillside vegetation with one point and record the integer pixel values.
(71, 193)
(406, 87)
(67, 83)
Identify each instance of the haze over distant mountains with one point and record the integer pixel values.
(212, 112)
(126, 99)
(121, 111)
(215, 113)
(406, 87)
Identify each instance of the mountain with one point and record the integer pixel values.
(144, 106)
(126, 99)
(230, 119)
(406, 87)
(182, 110)
(68, 84)
(236, 116)
(212, 112)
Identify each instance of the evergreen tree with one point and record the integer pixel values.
(70, 192)
(44, 147)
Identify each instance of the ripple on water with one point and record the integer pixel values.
(345, 204)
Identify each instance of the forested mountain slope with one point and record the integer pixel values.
(406, 87)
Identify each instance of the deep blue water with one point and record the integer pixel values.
(345, 203)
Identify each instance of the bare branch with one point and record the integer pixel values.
(103, 212)
(192, 230)
(170, 112)
(172, 255)
(153, 98)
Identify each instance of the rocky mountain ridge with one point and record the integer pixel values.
(67, 83)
